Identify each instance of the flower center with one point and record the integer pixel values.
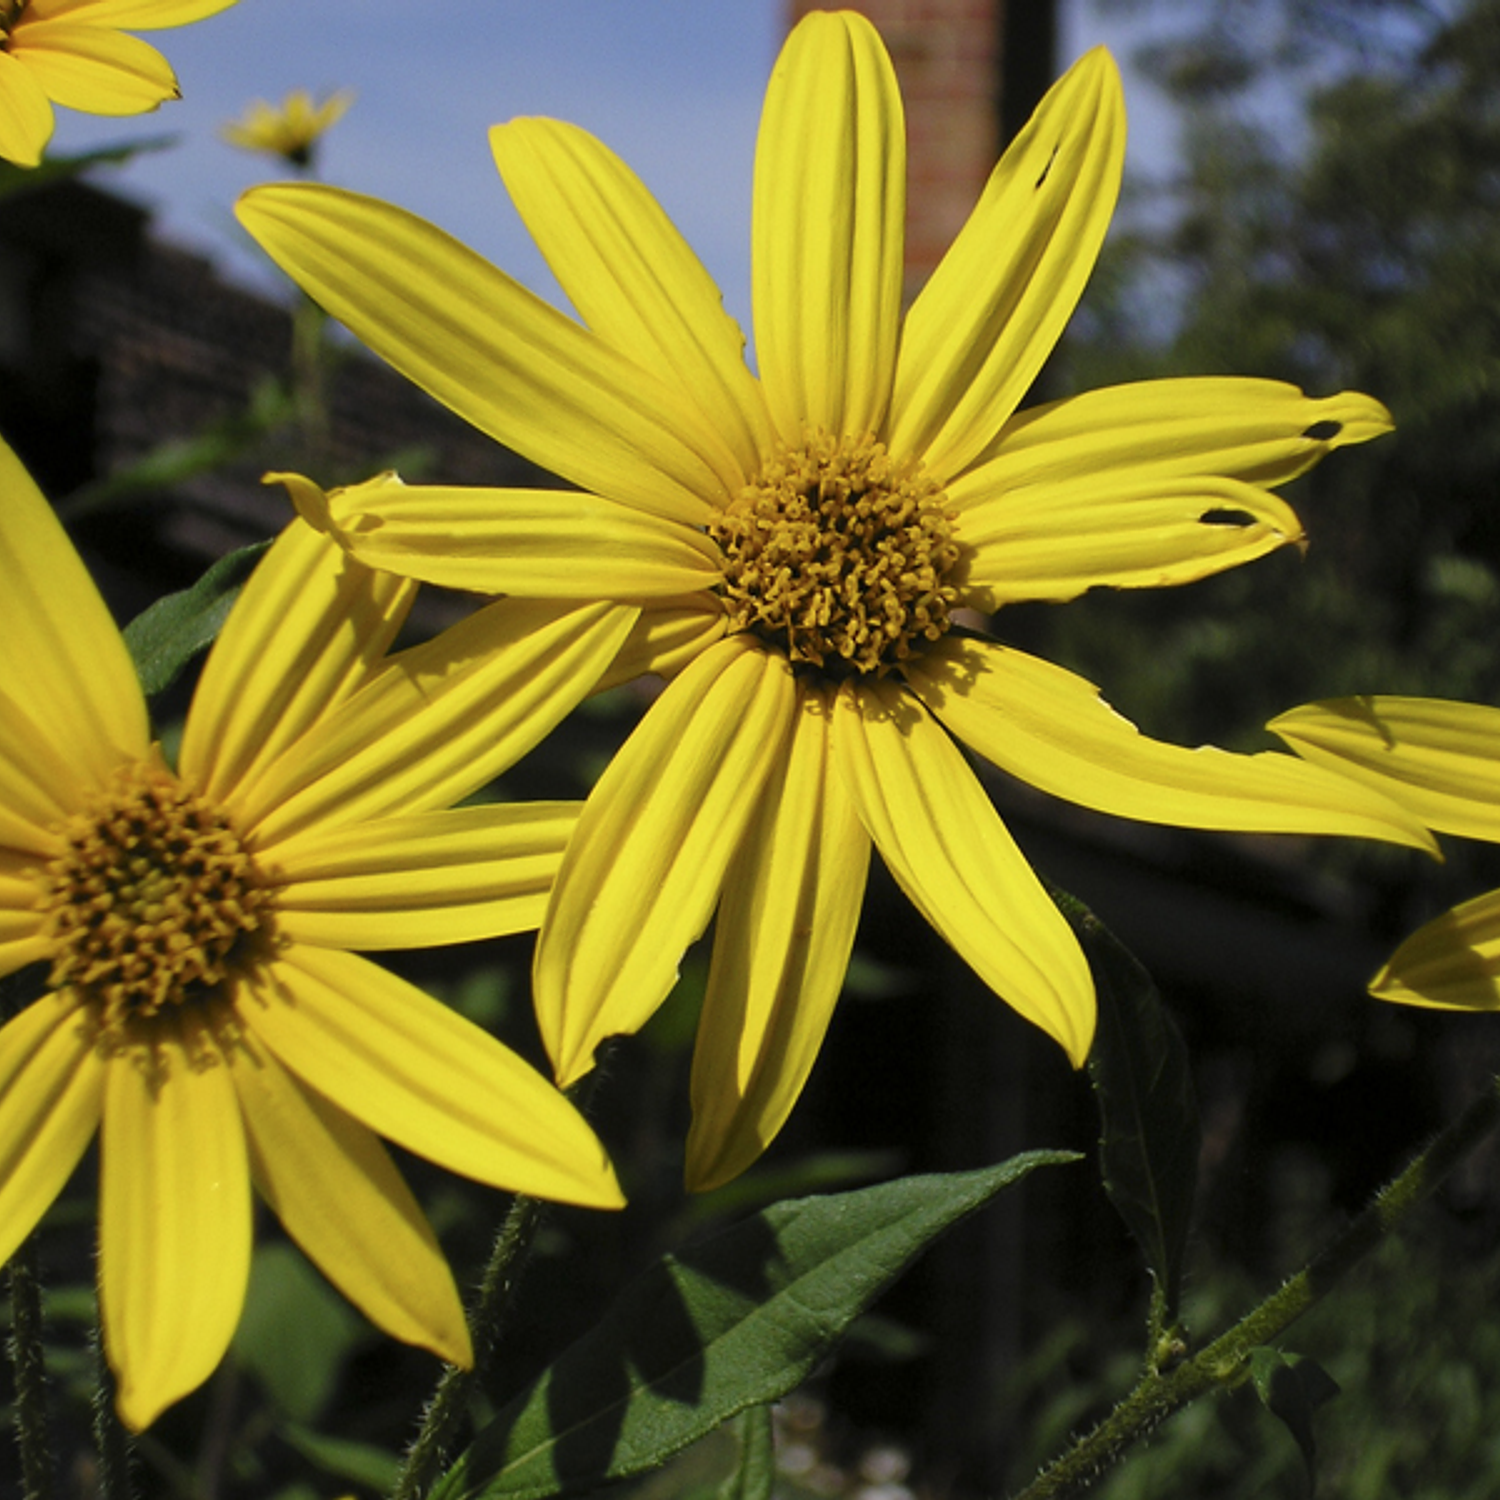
(839, 554)
(152, 900)
(10, 13)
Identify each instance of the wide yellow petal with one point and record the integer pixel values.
(989, 317)
(492, 351)
(828, 228)
(308, 629)
(631, 275)
(1453, 963)
(1050, 727)
(92, 68)
(133, 15)
(782, 940)
(26, 119)
(1261, 432)
(174, 1217)
(51, 1080)
(666, 638)
(22, 940)
(643, 871)
(65, 662)
(439, 877)
(439, 720)
(339, 1195)
(1439, 758)
(948, 850)
(422, 1076)
(1126, 532)
(535, 544)
(38, 786)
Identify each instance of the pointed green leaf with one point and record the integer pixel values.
(166, 635)
(1143, 1082)
(731, 1321)
(1293, 1388)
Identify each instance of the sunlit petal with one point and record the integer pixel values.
(1440, 759)
(307, 630)
(1453, 963)
(174, 1217)
(51, 1079)
(419, 1074)
(1051, 728)
(644, 869)
(440, 719)
(38, 788)
(440, 877)
(89, 67)
(340, 1197)
(990, 315)
(666, 638)
(630, 273)
(782, 941)
(948, 850)
(492, 351)
(133, 15)
(828, 237)
(25, 113)
(543, 544)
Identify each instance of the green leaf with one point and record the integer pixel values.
(166, 635)
(1143, 1083)
(731, 1321)
(756, 1471)
(359, 1463)
(14, 179)
(1293, 1388)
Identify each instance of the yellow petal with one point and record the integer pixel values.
(92, 68)
(37, 787)
(25, 113)
(828, 228)
(782, 941)
(666, 638)
(1453, 963)
(415, 882)
(492, 351)
(1438, 758)
(951, 854)
(22, 940)
(631, 275)
(425, 1078)
(174, 1217)
(308, 629)
(535, 544)
(133, 15)
(642, 874)
(1125, 532)
(1049, 727)
(439, 720)
(1261, 432)
(51, 1079)
(340, 1197)
(64, 659)
(997, 304)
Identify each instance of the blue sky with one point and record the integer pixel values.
(673, 85)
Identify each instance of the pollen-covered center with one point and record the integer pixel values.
(839, 554)
(152, 900)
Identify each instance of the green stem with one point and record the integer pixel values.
(111, 1442)
(30, 1368)
(1226, 1361)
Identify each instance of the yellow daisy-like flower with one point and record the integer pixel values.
(1441, 760)
(802, 543)
(76, 53)
(200, 1009)
(290, 129)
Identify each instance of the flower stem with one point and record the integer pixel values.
(1226, 1361)
(111, 1442)
(30, 1369)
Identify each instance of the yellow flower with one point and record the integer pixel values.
(1440, 760)
(200, 1008)
(289, 130)
(74, 53)
(802, 544)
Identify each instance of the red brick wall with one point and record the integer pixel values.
(947, 55)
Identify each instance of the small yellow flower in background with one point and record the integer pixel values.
(76, 53)
(290, 129)
(201, 1010)
(1441, 760)
(801, 543)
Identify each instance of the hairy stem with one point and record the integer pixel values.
(30, 1371)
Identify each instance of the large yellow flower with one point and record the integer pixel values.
(75, 53)
(1441, 760)
(803, 542)
(200, 1009)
